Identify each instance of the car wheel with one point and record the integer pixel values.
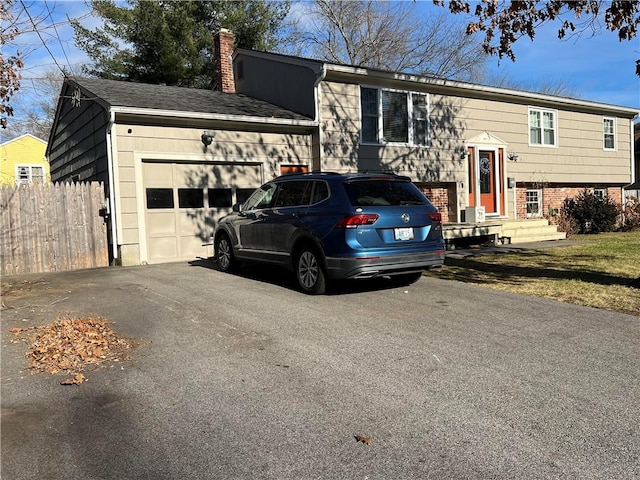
(224, 253)
(310, 272)
(408, 278)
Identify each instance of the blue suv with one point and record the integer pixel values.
(329, 226)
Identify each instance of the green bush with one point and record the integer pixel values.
(592, 214)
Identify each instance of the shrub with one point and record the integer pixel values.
(631, 214)
(592, 214)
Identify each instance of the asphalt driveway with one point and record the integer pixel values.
(241, 377)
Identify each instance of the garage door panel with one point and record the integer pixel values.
(194, 223)
(190, 247)
(189, 176)
(157, 174)
(161, 223)
(162, 249)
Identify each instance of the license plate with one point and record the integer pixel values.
(403, 233)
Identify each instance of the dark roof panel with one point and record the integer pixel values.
(181, 99)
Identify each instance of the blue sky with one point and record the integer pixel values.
(597, 68)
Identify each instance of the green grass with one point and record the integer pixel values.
(597, 271)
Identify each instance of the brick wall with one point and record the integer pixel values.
(553, 196)
(224, 46)
(438, 194)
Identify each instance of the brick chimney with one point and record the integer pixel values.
(223, 44)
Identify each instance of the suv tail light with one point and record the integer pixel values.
(353, 221)
(435, 216)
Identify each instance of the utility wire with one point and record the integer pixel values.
(35, 29)
(55, 28)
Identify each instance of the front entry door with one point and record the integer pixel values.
(487, 183)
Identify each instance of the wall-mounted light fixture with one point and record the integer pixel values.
(464, 155)
(207, 137)
(513, 156)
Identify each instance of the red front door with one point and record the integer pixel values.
(486, 175)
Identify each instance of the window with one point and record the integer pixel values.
(26, 174)
(261, 198)
(159, 198)
(243, 194)
(542, 129)
(190, 198)
(220, 197)
(288, 169)
(534, 203)
(392, 116)
(600, 193)
(609, 131)
(291, 194)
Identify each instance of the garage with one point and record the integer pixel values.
(183, 202)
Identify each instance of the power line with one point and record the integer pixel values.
(35, 29)
(55, 28)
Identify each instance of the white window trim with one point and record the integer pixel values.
(526, 203)
(615, 135)
(30, 170)
(410, 118)
(555, 127)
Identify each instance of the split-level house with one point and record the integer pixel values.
(174, 160)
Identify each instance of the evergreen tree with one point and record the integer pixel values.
(171, 42)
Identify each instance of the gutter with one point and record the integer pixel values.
(112, 199)
(214, 116)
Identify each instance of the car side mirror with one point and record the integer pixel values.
(236, 207)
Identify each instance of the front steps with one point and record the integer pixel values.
(531, 230)
(501, 231)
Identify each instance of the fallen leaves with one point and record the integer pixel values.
(76, 380)
(69, 344)
(362, 439)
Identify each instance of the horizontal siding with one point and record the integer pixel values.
(578, 157)
(173, 144)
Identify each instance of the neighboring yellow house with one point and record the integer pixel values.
(22, 161)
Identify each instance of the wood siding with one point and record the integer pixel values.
(136, 144)
(579, 156)
(52, 228)
(78, 148)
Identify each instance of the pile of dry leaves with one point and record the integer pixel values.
(70, 344)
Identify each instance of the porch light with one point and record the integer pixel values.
(513, 156)
(207, 137)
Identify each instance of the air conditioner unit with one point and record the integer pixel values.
(474, 214)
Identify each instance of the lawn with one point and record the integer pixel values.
(592, 270)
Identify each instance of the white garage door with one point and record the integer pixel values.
(183, 202)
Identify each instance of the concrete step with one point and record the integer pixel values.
(534, 230)
(546, 237)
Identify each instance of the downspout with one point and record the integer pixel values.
(316, 95)
(112, 197)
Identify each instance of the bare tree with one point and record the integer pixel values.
(11, 64)
(39, 108)
(385, 35)
(503, 23)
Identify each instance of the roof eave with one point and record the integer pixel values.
(471, 89)
(150, 112)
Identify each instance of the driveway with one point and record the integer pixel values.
(240, 377)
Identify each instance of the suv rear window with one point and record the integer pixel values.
(365, 193)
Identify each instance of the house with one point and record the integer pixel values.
(23, 161)
(174, 160)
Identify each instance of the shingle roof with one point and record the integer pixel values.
(182, 99)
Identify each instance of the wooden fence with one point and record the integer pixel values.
(50, 228)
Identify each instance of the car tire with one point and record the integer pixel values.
(310, 271)
(224, 253)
